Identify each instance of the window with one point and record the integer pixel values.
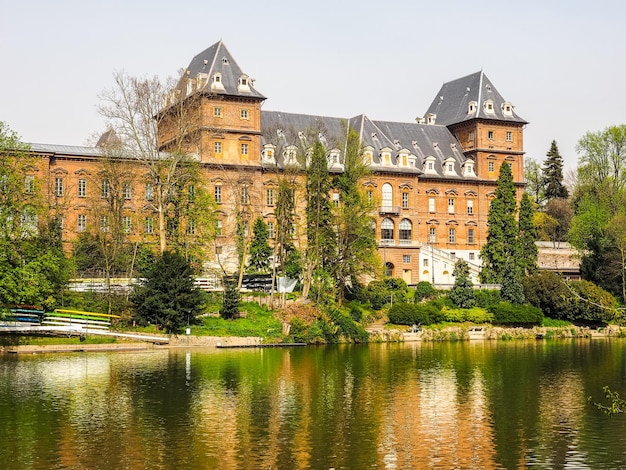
(470, 135)
(269, 196)
(58, 187)
(387, 195)
(470, 236)
(104, 189)
(217, 111)
(191, 193)
(82, 222)
(270, 230)
(217, 147)
(492, 167)
(432, 235)
(370, 196)
(450, 205)
(104, 223)
(336, 199)
(470, 206)
(490, 135)
(431, 204)
(82, 188)
(471, 256)
(509, 136)
(127, 223)
(128, 191)
(405, 229)
(149, 192)
(29, 184)
(245, 196)
(405, 200)
(431, 166)
(244, 149)
(218, 194)
(386, 229)
(406, 259)
(191, 227)
(451, 235)
(219, 228)
(450, 167)
(148, 225)
(244, 114)
(425, 262)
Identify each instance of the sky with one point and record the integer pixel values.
(561, 63)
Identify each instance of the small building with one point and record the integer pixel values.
(559, 257)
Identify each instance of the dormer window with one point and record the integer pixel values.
(216, 81)
(268, 153)
(472, 106)
(468, 168)
(488, 106)
(368, 157)
(448, 167)
(430, 118)
(507, 109)
(224, 60)
(429, 165)
(244, 84)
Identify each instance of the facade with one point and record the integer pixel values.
(432, 180)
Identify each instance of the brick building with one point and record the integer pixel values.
(432, 180)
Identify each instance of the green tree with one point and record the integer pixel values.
(560, 211)
(462, 294)
(356, 241)
(501, 247)
(260, 250)
(321, 239)
(231, 299)
(602, 161)
(167, 296)
(553, 174)
(33, 267)
(534, 180)
(526, 235)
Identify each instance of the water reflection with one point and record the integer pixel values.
(393, 406)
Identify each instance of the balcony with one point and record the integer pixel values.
(387, 242)
(389, 210)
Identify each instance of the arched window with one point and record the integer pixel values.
(404, 233)
(386, 229)
(387, 195)
(388, 269)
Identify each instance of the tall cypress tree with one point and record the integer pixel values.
(527, 247)
(553, 174)
(260, 250)
(502, 244)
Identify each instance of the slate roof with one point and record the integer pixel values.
(217, 59)
(67, 150)
(421, 140)
(451, 104)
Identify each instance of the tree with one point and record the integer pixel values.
(33, 267)
(526, 236)
(321, 240)
(156, 137)
(553, 174)
(230, 301)
(462, 294)
(356, 241)
(602, 161)
(260, 250)
(167, 296)
(501, 247)
(559, 210)
(534, 180)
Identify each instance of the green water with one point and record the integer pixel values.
(511, 404)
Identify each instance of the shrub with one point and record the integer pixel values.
(348, 327)
(379, 293)
(410, 314)
(589, 303)
(547, 291)
(487, 297)
(474, 315)
(505, 313)
(424, 290)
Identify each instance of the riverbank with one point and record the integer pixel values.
(377, 334)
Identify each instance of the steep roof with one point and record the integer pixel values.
(421, 140)
(452, 104)
(218, 60)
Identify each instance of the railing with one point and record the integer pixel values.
(387, 242)
(395, 210)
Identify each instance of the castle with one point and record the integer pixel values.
(431, 180)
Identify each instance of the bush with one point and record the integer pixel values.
(348, 327)
(474, 315)
(485, 298)
(547, 291)
(413, 314)
(589, 303)
(424, 290)
(379, 293)
(505, 313)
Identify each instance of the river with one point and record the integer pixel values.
(479, 404)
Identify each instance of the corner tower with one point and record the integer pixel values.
(225, 105)
(485, 124)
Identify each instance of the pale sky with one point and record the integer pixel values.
(562, 63)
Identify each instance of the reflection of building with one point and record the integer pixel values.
(559, 257)
(432, 180)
